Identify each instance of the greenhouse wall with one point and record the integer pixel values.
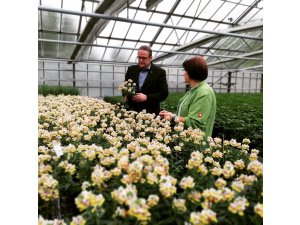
(100, 80)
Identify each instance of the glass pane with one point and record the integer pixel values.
(72, 4)
(165, 6)
(50, 49)
(120, 29)
(69, 23)
(210, 9)
(182, 7)
(108, 29)
(50, 21)
(194, 9)
(223, 12)
(51, 3)
(158, 18)
(65, 50)
(135, 31)
(149, 33)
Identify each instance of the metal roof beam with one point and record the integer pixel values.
(244, 55)
(183, 16)
(167, 43)
(106, 17)
(129, 48)
(248, 68)
(209, 38)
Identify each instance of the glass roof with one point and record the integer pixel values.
(228, 33)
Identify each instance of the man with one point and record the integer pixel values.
(151, 83)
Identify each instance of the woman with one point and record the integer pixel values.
(197, 108)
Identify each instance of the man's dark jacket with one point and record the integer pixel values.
(155, 87)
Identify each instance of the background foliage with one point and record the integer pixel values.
(58, 90)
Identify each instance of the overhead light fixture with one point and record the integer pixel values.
(150, 4)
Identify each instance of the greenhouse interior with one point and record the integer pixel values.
(101, 163)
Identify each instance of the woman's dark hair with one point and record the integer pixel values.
(196, 68)
(146, 48)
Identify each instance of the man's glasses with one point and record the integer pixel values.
(142, 58)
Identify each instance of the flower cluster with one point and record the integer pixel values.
(238, 205)
(125, 167)
(127, 88)
(138, 207)
(42, 221)
(204, 217)
(167, 186)
(48, 187)
(87, 199)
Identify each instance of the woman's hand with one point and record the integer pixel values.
(165, 114)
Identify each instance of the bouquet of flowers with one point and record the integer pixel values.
(128, 88)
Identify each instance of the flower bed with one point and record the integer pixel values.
(101, 164)
(238, 115)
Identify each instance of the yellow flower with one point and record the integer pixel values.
(238, 206)
(88, 199)
(253, 156)
(256, 167)
(237, 185)
(139, 209)
(217, 154)
(258, 209)
(239, 164)
(167, 186)
(227, 194)
(228, 169)
(152, 200)
(78, 220)
(205, 217)
(44, 169)
(100, 175)
(208, 159)
(68, 167)
(85, 185)
(179, 204)
(217, 171)
(246, 141)
(119, 212)
(116, 171)
(152, 178)
(212, 195)
(124, 195)
(254, 151)
(247, 180)
(194, 196)
(47, 187)
(220, 183)
(42, 221)
(187, 182)
(195, 160)
(202, 169)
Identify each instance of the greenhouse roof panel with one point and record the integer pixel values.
(112, 30)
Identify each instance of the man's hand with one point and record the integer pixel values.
(139, 97)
